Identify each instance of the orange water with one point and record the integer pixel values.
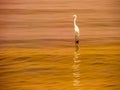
(37, 45)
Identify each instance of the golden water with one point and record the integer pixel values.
(37, 45)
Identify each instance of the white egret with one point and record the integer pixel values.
(75, 26)
(76, 33)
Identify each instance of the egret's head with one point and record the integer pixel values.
(75, 16)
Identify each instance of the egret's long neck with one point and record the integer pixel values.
(75, 21)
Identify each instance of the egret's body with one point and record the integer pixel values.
(75, 26)
(76, 34)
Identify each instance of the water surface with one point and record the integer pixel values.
(37, 45)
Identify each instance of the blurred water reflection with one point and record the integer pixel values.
(76, 68)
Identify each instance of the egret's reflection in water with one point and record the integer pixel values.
(76, 68)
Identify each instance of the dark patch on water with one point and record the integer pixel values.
(21, 58)
(98, 63)
(112, 85)
(15, 61)
(3, 58)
